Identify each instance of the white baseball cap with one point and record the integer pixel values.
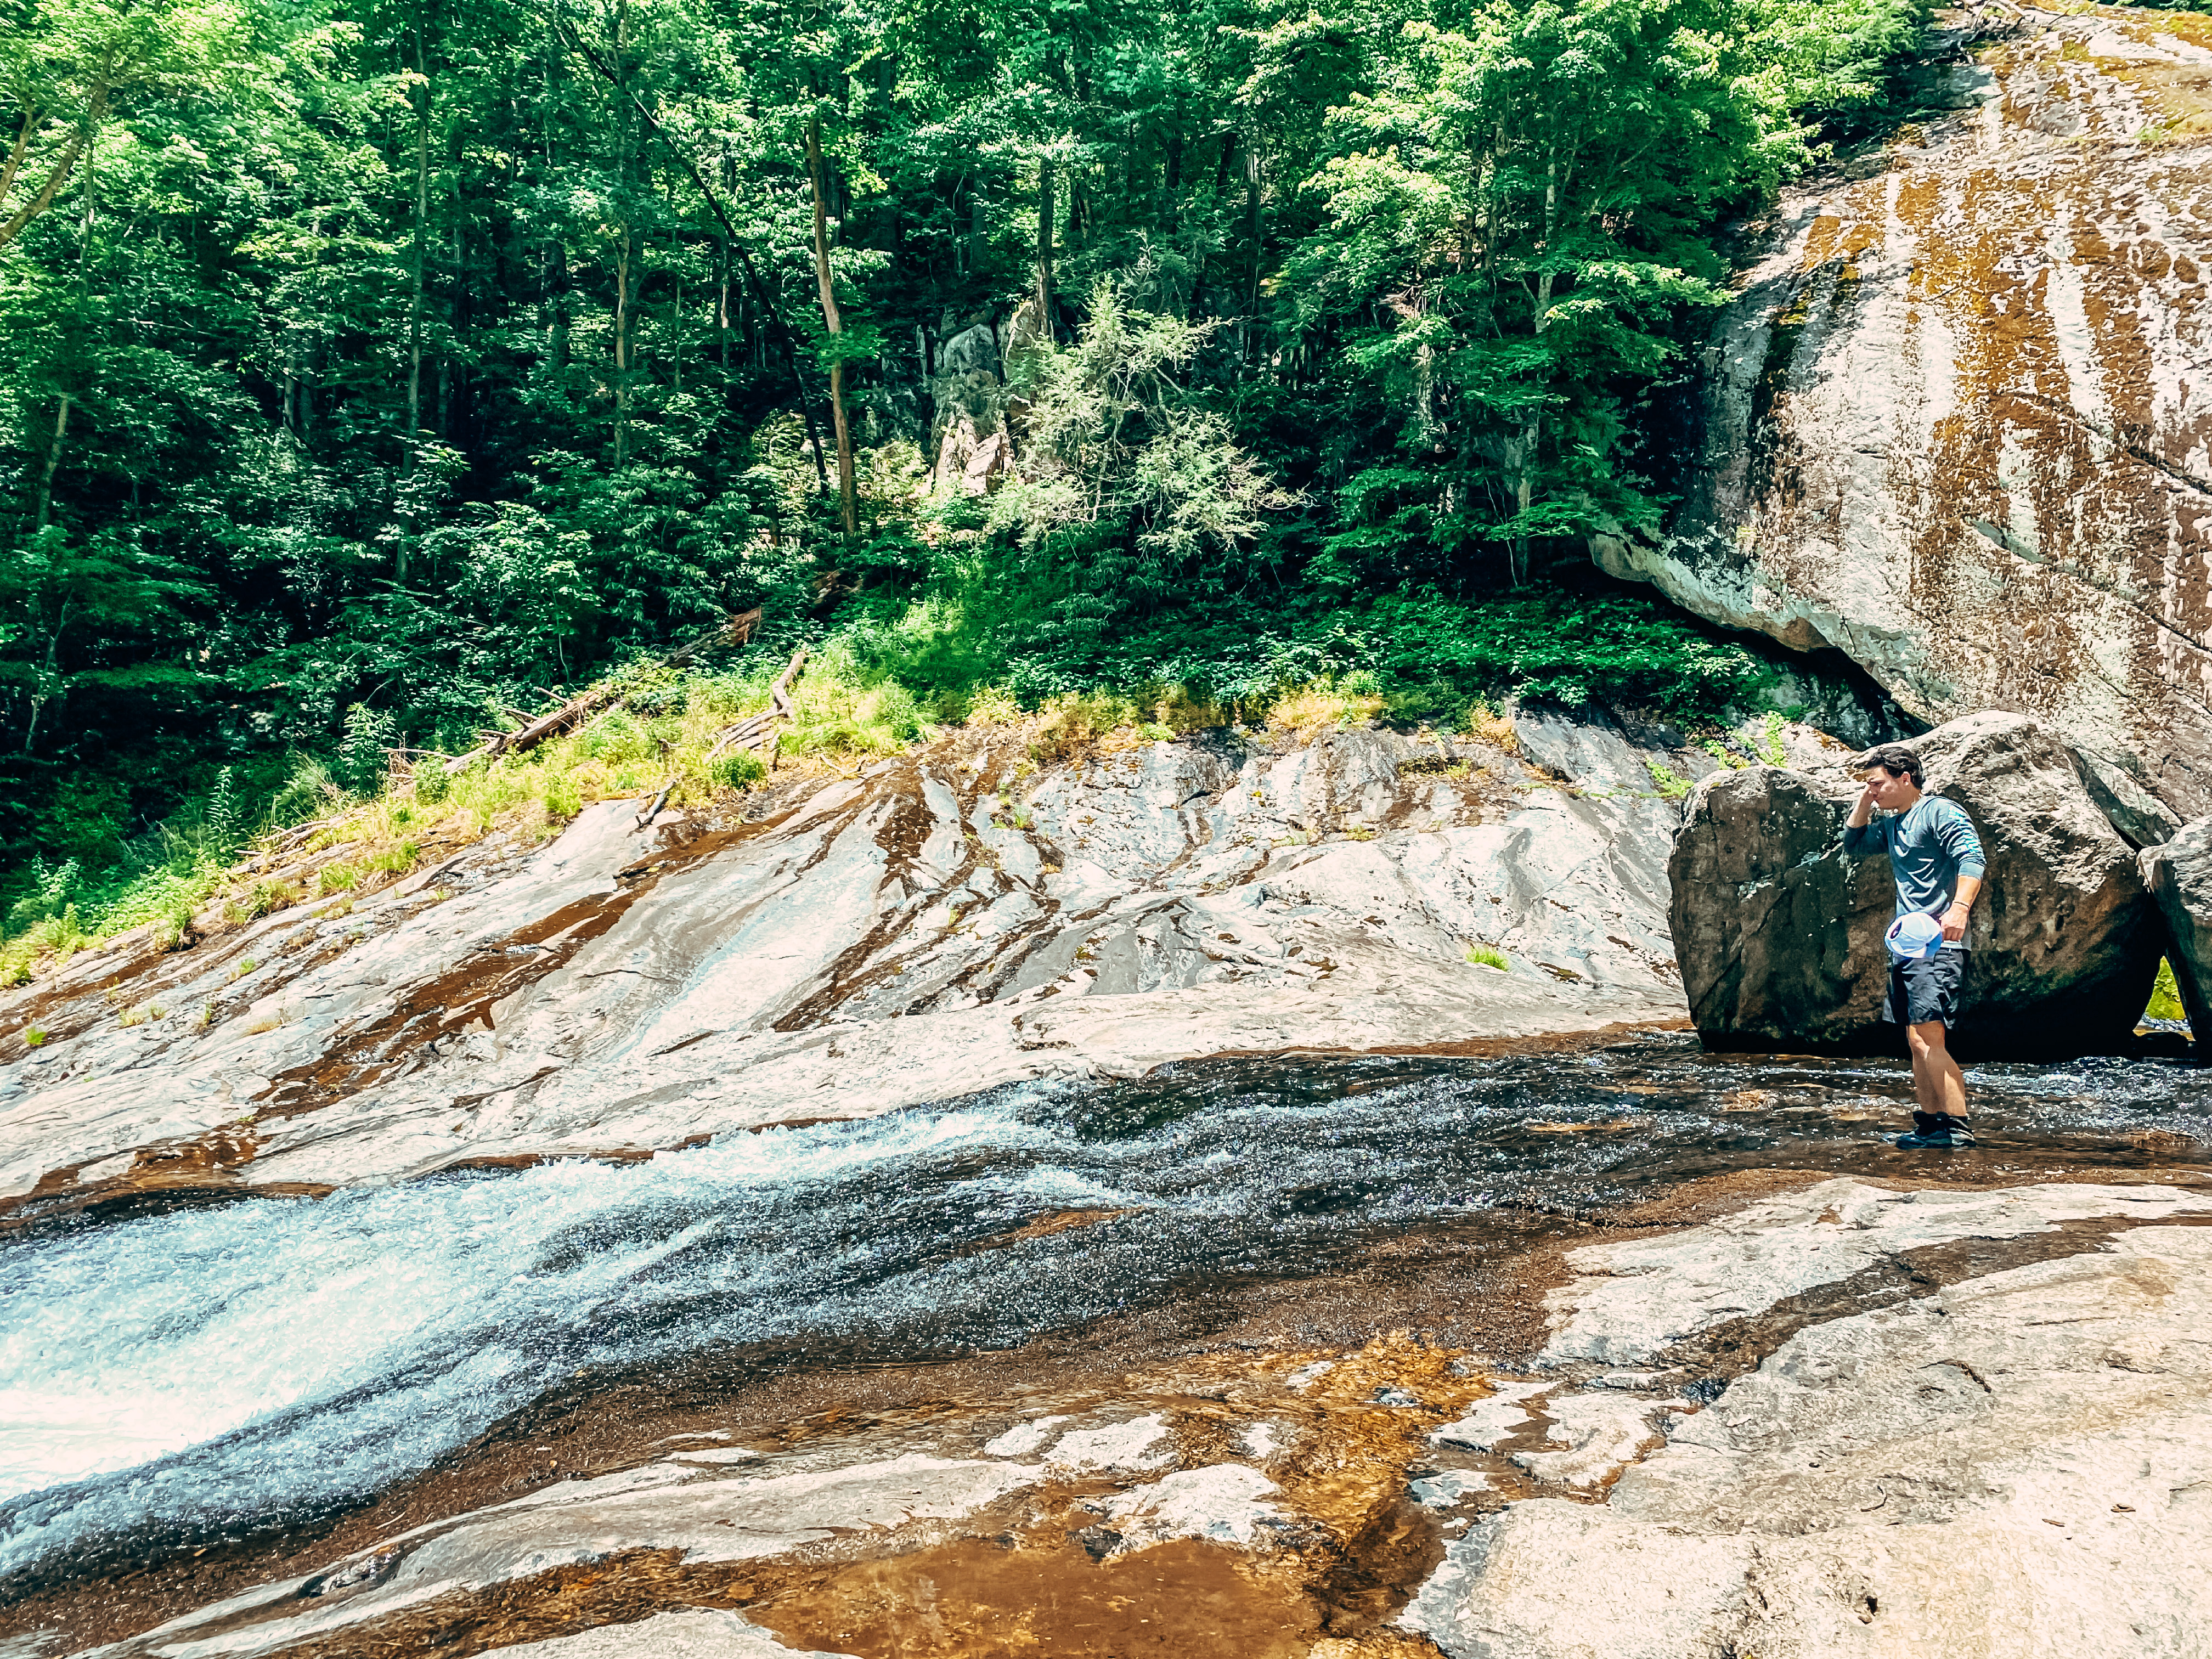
(1915, 935)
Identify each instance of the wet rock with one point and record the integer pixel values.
(1779, 935)
(943, 926)
(1593, 1435)
(1629, 1301)
(2015, 1466)
(1226, 1502)
(1500, 1417)
(1448, 1488)
(701, 1518)
(2179, 876)
(1136, 1445)
(700, 1633)
(1951, 427)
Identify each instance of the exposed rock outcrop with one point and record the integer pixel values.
(940, 925)
(1779, 935)
(2016, 1466)
(973, 447)
(2179, 876)
(1956, 425)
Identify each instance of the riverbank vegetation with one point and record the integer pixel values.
(382, 372)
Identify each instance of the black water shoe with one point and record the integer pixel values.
(1932, 1130)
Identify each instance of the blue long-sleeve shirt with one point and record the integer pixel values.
(1930, 845)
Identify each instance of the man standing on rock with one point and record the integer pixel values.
(1937, 858)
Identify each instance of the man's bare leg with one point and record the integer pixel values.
(1937, 1082)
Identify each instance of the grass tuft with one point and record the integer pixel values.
(2166, 996)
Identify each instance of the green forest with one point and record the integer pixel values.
(380, 373)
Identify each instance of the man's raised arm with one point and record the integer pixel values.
(1859, 838)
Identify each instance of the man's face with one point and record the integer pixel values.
(1892, 792)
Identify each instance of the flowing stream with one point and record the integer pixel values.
(190, 1375)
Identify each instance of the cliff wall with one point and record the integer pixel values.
(1959, 423)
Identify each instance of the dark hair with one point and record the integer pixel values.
(1895, 759)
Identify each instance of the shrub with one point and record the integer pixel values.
(1326, 705)
(1482, 955)
(563, 797)
(392, 860)
(741, 770)
(1768, 745)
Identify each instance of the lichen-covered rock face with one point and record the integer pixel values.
(1957, 424)
(2179, 876)
(1779, 935)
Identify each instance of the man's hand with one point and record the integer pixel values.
(1864, 810)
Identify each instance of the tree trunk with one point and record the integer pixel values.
(79, 141)
(622, 348)
(419, 95)
(1171, 179)
(848, 503)
(1252, 222)
(1531, 438)
(722, 303)
(54, 464)
(1044, 246)
(42, 690)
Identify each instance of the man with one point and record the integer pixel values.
(1937, 858)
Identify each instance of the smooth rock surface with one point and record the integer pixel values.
(940, 925)
(2178, 874)
(702, 1633)
(1780, 935)
(1628, 1300)
(1955, 424)
(703, 1517)
(1222, 1501)
(2019, 1466)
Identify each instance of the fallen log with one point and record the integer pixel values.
(738, 630)
(545, 726)
(748, 730)
(779, 707)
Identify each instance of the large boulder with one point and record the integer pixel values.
(1955, 423)
(2179, 876)
(1779, 935)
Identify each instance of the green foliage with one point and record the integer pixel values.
(1116, 438)
(1768, 745)
(2166, 995)
(740, 770)
(1483, 956)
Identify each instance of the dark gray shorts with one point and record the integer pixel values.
(1924, 988)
